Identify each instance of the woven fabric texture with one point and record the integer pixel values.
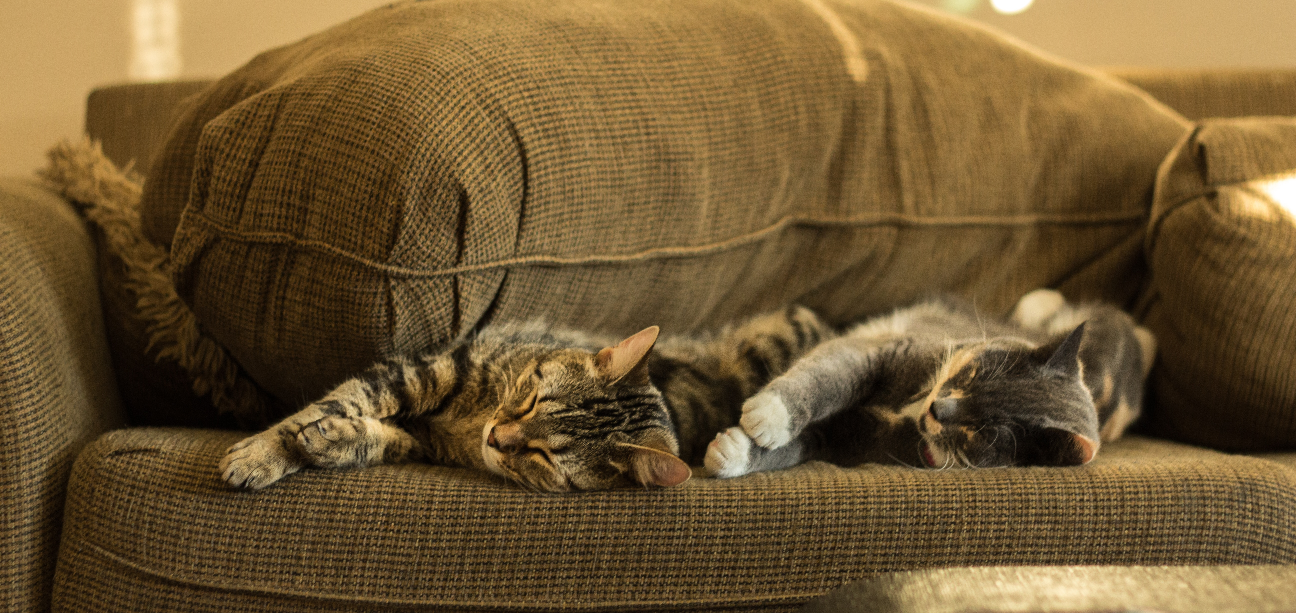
(1096, 589)
(1222, 250)
(132, 123)
(150, 526)
(133, 120)
(1202, 93)
(429, 167)
(56, 386)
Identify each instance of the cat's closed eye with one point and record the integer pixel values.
(541, 456)
(528, 407)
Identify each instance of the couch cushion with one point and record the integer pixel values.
(1222, 249)
(405, 177)
(1094, 589)
(150, 526)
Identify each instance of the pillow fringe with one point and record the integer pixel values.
(108, 198)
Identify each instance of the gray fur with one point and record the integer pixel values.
(936, 385)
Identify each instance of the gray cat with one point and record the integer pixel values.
(936, 386)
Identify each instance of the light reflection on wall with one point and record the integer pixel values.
(155, 49)
(1006, 7)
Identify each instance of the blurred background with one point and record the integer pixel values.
(55, 51)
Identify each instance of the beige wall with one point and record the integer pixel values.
(55, 51)
(1174, 33)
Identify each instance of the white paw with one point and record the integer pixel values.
(1037, 307)
(765, 419)
(727, 455)
(255, 462)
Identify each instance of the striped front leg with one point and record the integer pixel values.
(346, 428)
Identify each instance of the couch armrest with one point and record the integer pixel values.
(1217, 92)
(57, 390)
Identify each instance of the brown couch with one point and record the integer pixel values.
(102, 516)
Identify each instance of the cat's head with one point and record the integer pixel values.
(581, 420)
(1005, 402)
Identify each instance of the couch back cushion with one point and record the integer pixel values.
(429, 167)
(1222, 247)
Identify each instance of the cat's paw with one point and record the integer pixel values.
(765, 419)
(330, 442)
(256, 461)
(729, 454)
(1036, 308)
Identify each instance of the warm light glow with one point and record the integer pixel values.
(1010, 7)
(1280, 193)
(960, 6)
(155, 55)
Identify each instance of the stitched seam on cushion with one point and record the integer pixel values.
(683, 605)
(662, 253)
(1154, 226)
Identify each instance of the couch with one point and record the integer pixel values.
(104, 511)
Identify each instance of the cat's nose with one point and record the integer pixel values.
(505, 437)
(943, 408)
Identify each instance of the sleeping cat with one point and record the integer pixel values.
(935, 386)
(553, 410)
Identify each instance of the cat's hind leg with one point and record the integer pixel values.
(1037, 308)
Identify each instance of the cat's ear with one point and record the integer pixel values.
(1060, 447)
(628, 360)
(650, 466)
(1065, 358)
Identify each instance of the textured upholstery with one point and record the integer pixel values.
(146, 509)
(133, 120)
(149, 527)
(56, 385)
(1203, 93)
(1222, 247)
(424, 169)
(1096, 589)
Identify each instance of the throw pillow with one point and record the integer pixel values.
(1222, 253)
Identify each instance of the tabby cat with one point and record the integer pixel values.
(553, 410)
(935, 386)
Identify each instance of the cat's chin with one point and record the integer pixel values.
(925, 450)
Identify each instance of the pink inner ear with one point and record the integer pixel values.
(616, 362)
(1087, 447)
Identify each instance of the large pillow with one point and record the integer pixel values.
(1222, 250)
(429, 167)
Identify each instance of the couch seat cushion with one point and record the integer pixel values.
(1096, 589)
(150, 526)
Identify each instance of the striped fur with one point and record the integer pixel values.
(935, 385)
(553, 410)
